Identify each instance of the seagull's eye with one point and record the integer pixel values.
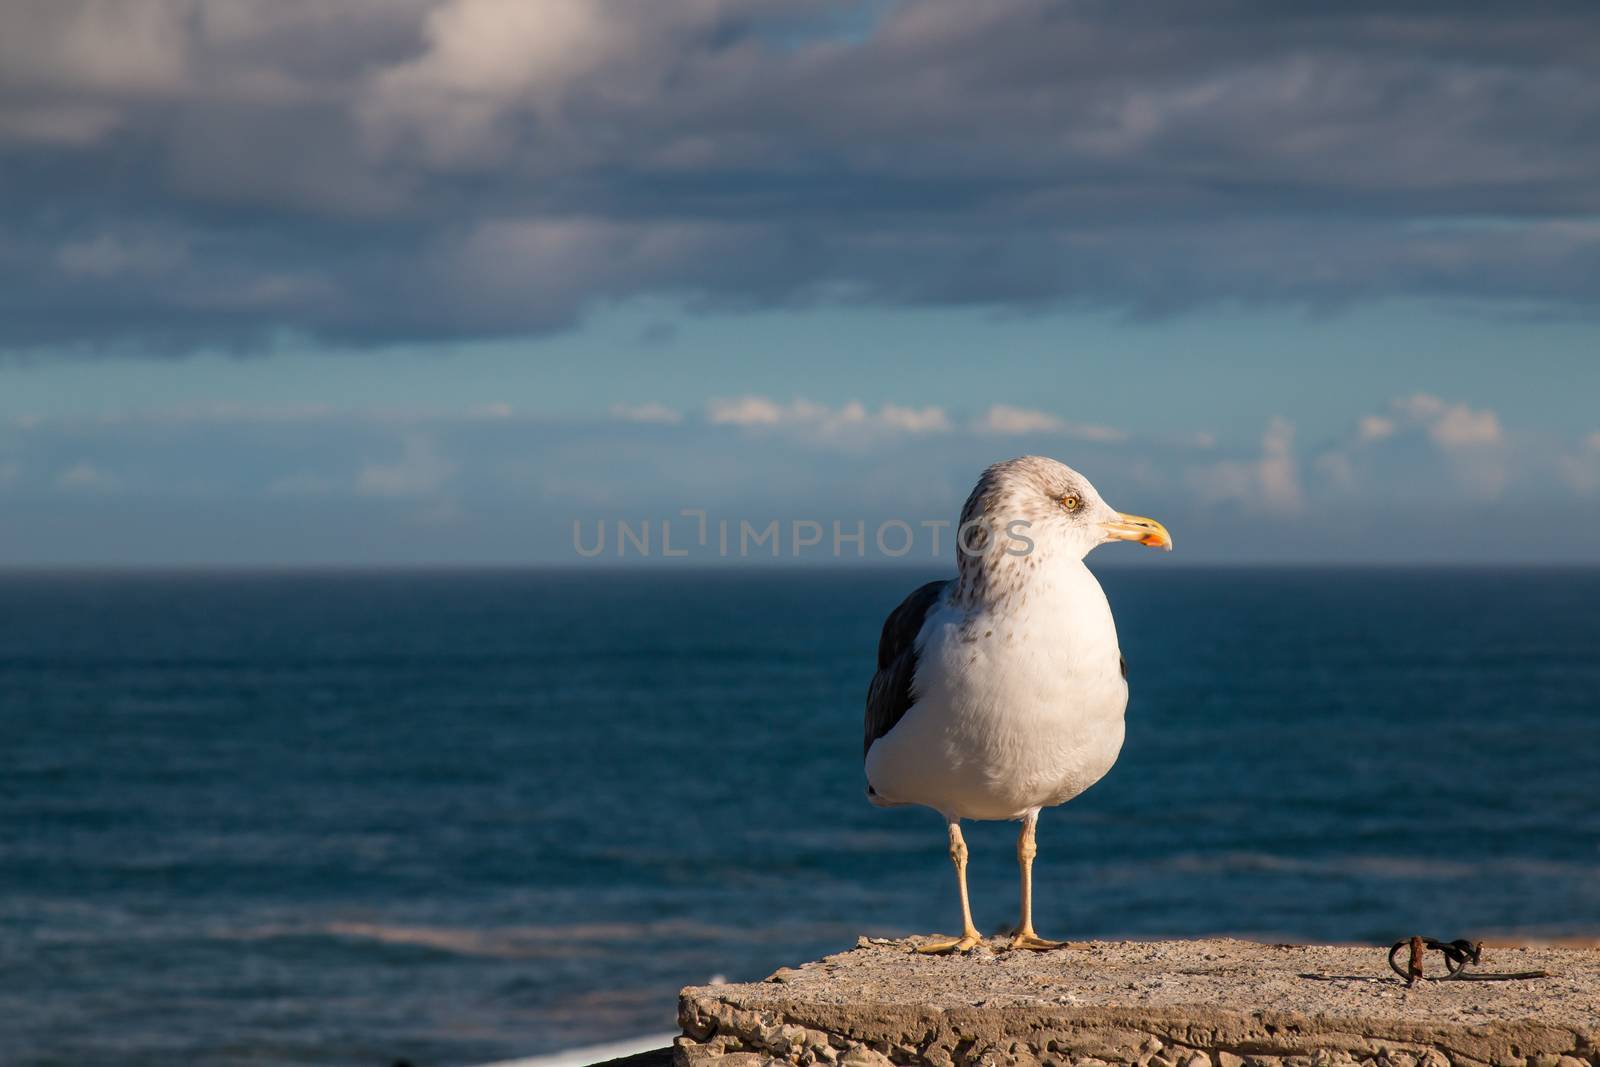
(1072, 502)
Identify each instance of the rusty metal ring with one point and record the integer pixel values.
(1457, 956)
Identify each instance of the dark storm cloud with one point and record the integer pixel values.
(179, 174)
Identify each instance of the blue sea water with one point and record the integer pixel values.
(350, 818)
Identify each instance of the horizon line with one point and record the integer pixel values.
(8, 570)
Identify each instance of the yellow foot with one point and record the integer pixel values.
(1034, 943)
(964, 943)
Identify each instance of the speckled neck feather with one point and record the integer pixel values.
(1017, 490)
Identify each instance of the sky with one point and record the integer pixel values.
(474, 281)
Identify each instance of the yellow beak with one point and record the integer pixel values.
(1138, 528)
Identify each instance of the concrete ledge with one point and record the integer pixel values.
(1214, 1003)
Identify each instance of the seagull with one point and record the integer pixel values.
(1001, 691)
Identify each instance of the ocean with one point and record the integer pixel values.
(351, 818)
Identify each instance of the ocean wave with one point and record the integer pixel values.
(1376, 866)
(542, 941)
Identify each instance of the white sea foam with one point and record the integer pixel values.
(582, 1057)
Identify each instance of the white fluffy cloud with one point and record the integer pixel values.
(1374, 428)
(1269, 483)
(745, 411)
(1277, 470)
(914, 420)
(485, 60)
(851, 419)
(1448, 425)
(1466, 444)
(1006, 420)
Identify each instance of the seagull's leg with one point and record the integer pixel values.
(1026, 850)
(969, 933)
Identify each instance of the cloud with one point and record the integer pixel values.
(1270, 483)
(1003, 419)
(1449, 425)
(107, 255)
(1337, 468)
(1580, 469)
(1280, 478)
(450, 486)
(1374, 428)
(850, 420)
(486, 60)
(420, 471)
(649, 412)
(1460, 427)
(749, 411)
(1423, 431)
(383, 170)
(85, 476)
(914, 420)
(64, 67)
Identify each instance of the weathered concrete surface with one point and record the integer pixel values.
(1215, 1003)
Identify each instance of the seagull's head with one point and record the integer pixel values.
(1034, 504)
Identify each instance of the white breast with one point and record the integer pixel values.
(1015, 710)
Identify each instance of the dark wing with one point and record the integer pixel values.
(1122, 661)
(890, 693)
